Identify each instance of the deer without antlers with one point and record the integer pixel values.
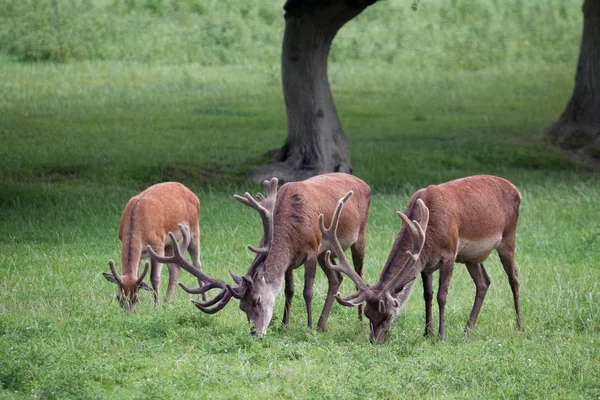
(291, 238)
(458, 221)
(146, 221)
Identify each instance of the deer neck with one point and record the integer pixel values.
(277, 263)
(396, 262)
(131, 250)
(405, 293)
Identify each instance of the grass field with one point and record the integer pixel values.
(78, 138)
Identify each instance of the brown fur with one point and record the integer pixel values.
(291, 238)
(297, 236)
(146, 220)
(468, 218)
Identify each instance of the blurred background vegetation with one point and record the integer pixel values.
(452, 88)
(464, 34)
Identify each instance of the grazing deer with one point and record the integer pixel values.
(146, 221)
(291, 238)
(458, 221)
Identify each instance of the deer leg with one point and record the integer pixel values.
(310, 269)
(334, 280)
(428, 296)
(482, 283)
(173, 276)
(289, 295)
(156, 267)
(358, 256)
(445, 276)
(173, 279)
(194, 252)
(507, 258)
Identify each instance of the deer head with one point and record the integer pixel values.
(257, 301)
(127, 287)
(255, 292)
(383, 304)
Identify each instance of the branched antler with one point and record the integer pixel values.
(179, 259)
(222, 298)
(265, 207)
(331, 241)
(416, 231)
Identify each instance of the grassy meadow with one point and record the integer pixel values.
(101, 98)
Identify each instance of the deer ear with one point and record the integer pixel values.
(110, 277)
(145, 286)
(381, 306)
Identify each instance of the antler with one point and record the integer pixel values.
(331, 240)
(118, 277)
(141, 278)
(111, 264)
(416, 231)
(222, 298)
(265, 207)
(179, 259)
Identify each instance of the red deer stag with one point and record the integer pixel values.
(146, 221)
(291, 238)
(458, 221)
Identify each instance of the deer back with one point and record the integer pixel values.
(469, 217)
(150, 215)
(297, 210)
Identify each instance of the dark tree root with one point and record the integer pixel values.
(294, 168)
(577, 131)
(579, 140)
(283, 171)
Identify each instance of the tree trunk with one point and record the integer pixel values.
(315, 141)
(578, 128)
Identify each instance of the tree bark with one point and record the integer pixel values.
(315, 141)
(578, 128)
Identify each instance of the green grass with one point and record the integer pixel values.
(212, 124)
(78, 138)
(63, 334)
